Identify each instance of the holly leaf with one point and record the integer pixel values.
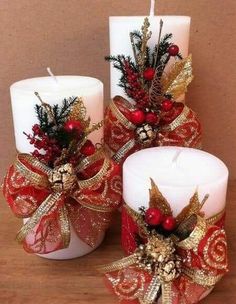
(175, 82)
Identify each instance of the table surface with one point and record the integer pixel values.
(28, 279)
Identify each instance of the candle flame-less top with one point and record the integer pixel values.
(178, 172)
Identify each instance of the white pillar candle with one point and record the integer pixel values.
(53, 91)
(120, 27)
(178, 173)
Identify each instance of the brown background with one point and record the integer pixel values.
(72, 38)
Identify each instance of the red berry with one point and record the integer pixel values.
(167, 105)
(36, 129)
(152, 118)
(137, 117)
(36, 153)
(88, 148)
(149, 73)
(169, 223)
(173, 50)
(153, 216)
(73, 125)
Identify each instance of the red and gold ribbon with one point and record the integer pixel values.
(52, 199)
(120, 136)
(202, 257)
(180, 266)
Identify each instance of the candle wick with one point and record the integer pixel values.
(175, 158)
(152, 9)
(52, 75)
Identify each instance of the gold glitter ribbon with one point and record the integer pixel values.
(151, 293)
(123, 150)
(53, 201)
(201, 278)
(195, 236)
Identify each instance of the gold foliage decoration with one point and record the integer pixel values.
(176, 81)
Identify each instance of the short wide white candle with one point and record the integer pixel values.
(178, 173)
(53, 92)
(120, 28)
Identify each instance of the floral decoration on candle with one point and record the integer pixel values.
(66, 181)
(176, 259)
(152, 116)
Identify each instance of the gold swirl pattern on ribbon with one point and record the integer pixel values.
(178, 121)
(44, 208)
(215, 251)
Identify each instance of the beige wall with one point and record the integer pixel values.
(67, 34)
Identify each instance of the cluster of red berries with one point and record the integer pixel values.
(135, 90)
(154, 217)
(138, 117)
(41, 141)
(48, 149)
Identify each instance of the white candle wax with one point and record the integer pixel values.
(52, 92)
(178, 172)
(120, 28)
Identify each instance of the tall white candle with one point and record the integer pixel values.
(53, 91)
(120, 27)
(178, 172)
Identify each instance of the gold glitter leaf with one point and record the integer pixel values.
(175, 82)
(157, 200)
(193, 207)
(79, 112)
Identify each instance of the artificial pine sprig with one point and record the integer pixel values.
(59, 114)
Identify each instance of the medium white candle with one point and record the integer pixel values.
(53, 89)
(120, 27)
(178, 172)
